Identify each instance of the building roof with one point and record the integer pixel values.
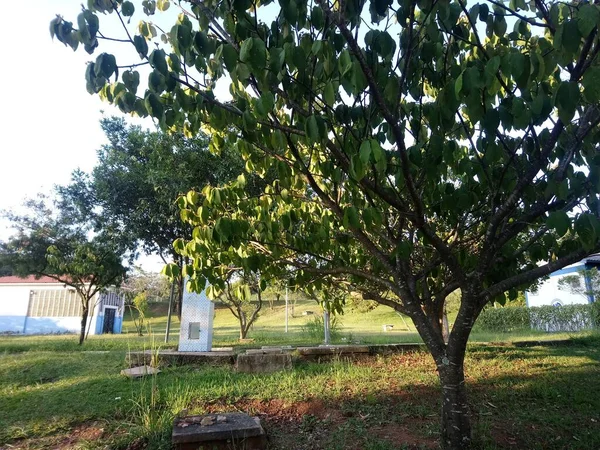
(595, 258)
(28, 280)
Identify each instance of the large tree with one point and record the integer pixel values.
(422, 147)
(48, 243)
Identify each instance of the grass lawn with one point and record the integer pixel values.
(55, 395)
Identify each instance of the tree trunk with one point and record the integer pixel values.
(84, 318)
(243, 326)
(456, 416)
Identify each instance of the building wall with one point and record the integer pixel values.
(14, 300)
(548, 292)
(14, 304)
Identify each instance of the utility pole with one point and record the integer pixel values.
(286, 308)
(326, 323)
(168, 330)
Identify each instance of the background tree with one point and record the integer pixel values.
(48, 243)
(243, 297)
(421, 147)
(585, 283)
(155, 285)
(139, 176)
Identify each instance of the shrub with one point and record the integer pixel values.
(562, 318)
(314, 329)
(545, 318)
(504, 319)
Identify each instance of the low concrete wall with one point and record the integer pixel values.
(174, 358)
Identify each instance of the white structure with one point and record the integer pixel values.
(44, 306)
(197, 313)
(548, 292)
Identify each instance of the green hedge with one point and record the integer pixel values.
(545, 318)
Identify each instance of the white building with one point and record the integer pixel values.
(45, 306)
(548, 292)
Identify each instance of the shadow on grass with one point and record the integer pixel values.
(538, 398)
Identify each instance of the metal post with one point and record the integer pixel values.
(286, 309)
(168, 330)
(326, 326)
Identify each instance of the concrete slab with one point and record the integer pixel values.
(282, 347)
(219, 431)
(139, 372)
(263, 363)
(333, 350)
(264, 351)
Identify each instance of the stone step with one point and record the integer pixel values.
(219, 431)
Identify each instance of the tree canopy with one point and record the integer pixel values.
(420, 147)
(139, 175)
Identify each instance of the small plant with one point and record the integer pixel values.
(139, 304)
(314, 329)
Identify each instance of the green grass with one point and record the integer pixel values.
(54, 394)
(356, 327)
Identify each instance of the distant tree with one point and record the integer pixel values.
(586, 283)
(155, 285)
(48, 243)
(242, 295)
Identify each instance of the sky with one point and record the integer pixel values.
(49, 124)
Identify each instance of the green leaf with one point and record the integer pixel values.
(163, 5)
(329, 94)
(566, 100)
(587, 19)
(141, 45)
(159, 62)
(571, 37)
(357, 168)
(365, 152)
(559, 221)
(591, 84)
(586, 227)
(193, 198)
(491, 121)
(351, 218)
(154, 106)
(105, 66)
(312, 129)
(254, 53)
(230, 57)
(458, 85)
(267, 102)
(127, 9)
(131, 79)
(185, 37)
(317, 17)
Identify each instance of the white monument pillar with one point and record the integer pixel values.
(197, 313)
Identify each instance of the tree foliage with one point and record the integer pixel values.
(420, 147)
(48, 243)
(139, 176)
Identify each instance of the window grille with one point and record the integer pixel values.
(110, 299)
(54, 303)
